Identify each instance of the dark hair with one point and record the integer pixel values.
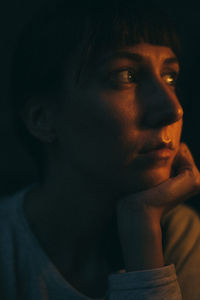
(84, 30)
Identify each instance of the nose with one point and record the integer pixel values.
(162, 106)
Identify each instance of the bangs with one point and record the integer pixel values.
(64, 40)
(127, 23)
(82, 33)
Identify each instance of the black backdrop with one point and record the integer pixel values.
(17, 168)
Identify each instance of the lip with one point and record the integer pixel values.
(160, 150)
(148, 147)
(163, 153)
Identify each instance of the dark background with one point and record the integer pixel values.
(17, 168)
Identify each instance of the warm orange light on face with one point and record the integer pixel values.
(118, 117)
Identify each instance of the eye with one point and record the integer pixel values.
(125, 76)
(170, 78)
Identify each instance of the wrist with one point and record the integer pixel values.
(144, 251)
(142, 245)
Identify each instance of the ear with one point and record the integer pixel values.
(37, 115)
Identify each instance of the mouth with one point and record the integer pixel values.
(156, 151)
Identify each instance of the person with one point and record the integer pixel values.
(94, 99)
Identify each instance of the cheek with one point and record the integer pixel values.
(95, 129)
(121, 106)
(100, 113)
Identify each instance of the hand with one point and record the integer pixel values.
(139, 214)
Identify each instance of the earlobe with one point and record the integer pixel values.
(38, 118)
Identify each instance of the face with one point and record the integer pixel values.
(123, 124)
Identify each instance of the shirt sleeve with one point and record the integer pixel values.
(182, 248)
(155, 284)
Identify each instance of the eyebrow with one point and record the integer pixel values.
(135, 58)
(171, 60)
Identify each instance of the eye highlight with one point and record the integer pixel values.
(170, 78)
(123, 76)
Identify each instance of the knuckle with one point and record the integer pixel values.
(184, 147)
(197, 182)
(195, 177)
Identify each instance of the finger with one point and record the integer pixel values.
(169, 193)
(175, 190)
(184, 160)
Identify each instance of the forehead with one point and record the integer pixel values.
(143, 52)
(155, 52)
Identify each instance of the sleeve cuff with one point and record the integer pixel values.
(143, 279)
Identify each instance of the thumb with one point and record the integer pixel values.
(184, 184)
(184, 161)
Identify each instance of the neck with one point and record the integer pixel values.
(72, 210)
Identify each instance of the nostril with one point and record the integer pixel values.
(159, 118)
(166, 121)
(170, 117)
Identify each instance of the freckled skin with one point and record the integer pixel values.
(103, 128)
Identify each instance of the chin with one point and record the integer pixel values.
(133, 183)
(155, 177)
